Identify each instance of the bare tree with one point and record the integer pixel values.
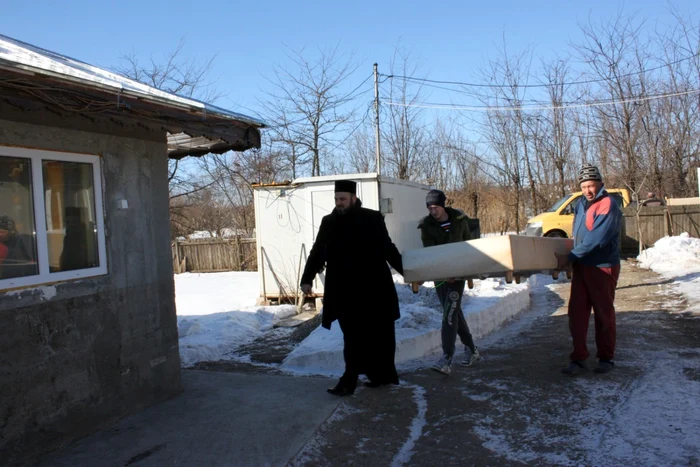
(614, 53)
(234, 174)
(404, 130)
(308, 106)
(506, 132)
(180, 75)
(361, 148)
(559, 143)
(173, 73)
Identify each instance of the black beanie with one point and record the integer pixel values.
(347, 186)
(435, 198)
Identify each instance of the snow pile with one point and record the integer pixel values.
(486, 307)
(217, 314)
(225, 233)
(677, 258)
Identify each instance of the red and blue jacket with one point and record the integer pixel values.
(597, 231)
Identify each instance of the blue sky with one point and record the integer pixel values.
(451, 39)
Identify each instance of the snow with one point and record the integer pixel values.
(677, 258)
(225, 233)
(216, 314)
(486, 308)
(45, 292)
(416, 429)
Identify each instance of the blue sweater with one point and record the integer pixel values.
(597, 232)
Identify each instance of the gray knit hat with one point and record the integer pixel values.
(589, 172)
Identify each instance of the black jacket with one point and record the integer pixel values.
(354, 248)
(431, 233)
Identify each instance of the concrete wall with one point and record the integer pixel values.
(78, 355)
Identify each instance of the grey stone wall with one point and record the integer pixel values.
(78, 355)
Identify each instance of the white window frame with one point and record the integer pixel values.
(37, 156)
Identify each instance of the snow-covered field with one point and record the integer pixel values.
(486, 307)
(217, 312)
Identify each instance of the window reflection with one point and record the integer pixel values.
(70, 215)
(18, 257)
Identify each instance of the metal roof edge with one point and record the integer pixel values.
(271, 184)
(398, 181)
(328, 178)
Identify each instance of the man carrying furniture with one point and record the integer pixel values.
(447, 225)
(596, 268)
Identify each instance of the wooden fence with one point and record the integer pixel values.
(655, 222)
(214, 254)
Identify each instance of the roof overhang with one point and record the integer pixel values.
(193, 128)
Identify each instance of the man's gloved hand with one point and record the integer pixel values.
(562, 261)
(306, 289)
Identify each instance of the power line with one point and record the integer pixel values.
(348, 96)
(469, 93)
(477, 108)
(589, 81)
(354, 129)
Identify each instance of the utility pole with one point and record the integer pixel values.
(376, 118)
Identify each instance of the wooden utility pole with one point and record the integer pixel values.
(376, 119)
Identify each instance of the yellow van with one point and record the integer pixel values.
(558, 221)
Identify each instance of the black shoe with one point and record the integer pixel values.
(340, 390)
(604, 366)
(375, 384)
(574, 368)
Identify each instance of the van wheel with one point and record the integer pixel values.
(556, 234)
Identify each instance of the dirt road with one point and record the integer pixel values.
(515, 407)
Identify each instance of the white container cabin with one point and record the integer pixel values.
(288, 215)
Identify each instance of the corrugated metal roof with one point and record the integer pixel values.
(19, 55)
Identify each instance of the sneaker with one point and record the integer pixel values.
(444, 365)
(604, 366)
(574, 368)
(470, 357)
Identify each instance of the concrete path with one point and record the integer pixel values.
(221, 419)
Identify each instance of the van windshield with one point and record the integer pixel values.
(558, 204)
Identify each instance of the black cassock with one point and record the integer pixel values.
(359, 291)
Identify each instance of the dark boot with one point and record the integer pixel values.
(604, 366)
(574, 368)
(341, 390)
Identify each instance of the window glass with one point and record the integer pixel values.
(71, 231)
(571, 207)
(18, 254)
(618, 199)
(558, 204)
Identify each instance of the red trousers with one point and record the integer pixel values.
(594, 287)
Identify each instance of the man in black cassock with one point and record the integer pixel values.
(354, 246)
